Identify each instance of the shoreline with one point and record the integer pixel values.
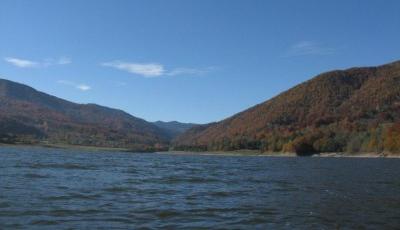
(231, 153)
(279, 154)
(209, 153)
(67, 147)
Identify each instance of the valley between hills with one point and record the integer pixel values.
(349, 111)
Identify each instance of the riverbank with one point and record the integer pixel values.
(359, 155)
(279, 154)
(216, 153)
(65, 146)
(87, 148)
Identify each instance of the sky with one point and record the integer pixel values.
(188, 60)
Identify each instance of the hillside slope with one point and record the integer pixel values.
(30, 116)
(346, 110)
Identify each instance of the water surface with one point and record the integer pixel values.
(44, 188)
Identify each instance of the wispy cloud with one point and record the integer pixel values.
(25, 63)
(190, 71)
(58, 61)
(79, 86)
(83, 87)
(63, 61)
(150, 70)
(22, 63)
(305, 48)
(144, 69)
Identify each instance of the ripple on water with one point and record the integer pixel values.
(74, 212)
(183, 179)
(62, 187)
(5, 205)
(35, 176)
(117, 189)
(71, 196)
(55, 198)
(15, 213)
(44, 222)
(84, 196)
(131, 171)
(221, 194)
(62, 166)
(163, 214)
(120, 191)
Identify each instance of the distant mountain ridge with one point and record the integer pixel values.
(354, 110)
(30, 116)
(174, 128)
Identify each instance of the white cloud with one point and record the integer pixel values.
(80, 86)
(144, 69)
(24, 63)
(83, 87)
(154, 70)
(304, 48)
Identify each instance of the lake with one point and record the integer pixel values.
(43, 188)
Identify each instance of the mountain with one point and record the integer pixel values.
(353, 110)
(30, 116)
(173, 128)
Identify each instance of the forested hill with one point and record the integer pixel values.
(29, 116)
(354, 110)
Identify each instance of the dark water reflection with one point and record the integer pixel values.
(49, 188)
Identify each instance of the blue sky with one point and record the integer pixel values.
(191, 61)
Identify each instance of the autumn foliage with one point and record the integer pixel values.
(354, 110)
(28, 116)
